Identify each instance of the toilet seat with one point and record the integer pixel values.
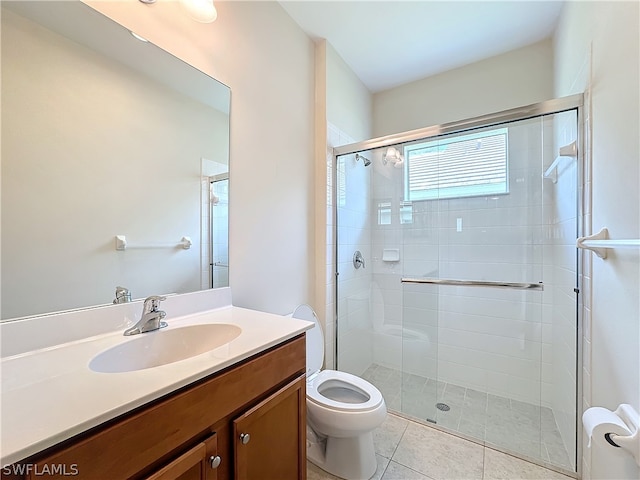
(318, 380)
(342, 380)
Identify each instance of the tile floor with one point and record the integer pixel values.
(510, 425)
(407, 450)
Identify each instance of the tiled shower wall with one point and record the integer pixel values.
(489, 340)
(353, 234)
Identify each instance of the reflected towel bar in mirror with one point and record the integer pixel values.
(121, 244)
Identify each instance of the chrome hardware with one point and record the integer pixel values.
(151, 318)
(123, 295)
(244, 438)
(476, 283)
(215, 461)
(358, 259)
(365, 160)
(547, 107)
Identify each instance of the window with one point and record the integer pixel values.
(462, 166)
(384, 213)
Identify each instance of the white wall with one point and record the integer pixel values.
(513, 79)
(596, 48)
(257, 50)
(349, 102)
(91, 149)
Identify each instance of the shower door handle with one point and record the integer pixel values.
(474, 283)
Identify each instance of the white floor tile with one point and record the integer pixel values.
(439, 455)
(499, 466)
(395, 471)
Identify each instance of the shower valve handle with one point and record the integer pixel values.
(358, 260)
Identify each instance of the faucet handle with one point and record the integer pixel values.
(152, 303)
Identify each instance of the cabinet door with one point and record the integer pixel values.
(199, 463)
(270, 438)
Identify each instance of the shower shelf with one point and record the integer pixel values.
(599, 242)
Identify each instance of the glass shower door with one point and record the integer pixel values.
(476, 266)
(465, 316)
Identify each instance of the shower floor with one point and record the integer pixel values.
(510, 425)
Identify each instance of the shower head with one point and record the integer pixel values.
(366, 161)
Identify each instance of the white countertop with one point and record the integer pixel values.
(50, 395)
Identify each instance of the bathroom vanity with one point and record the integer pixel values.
(237, 411)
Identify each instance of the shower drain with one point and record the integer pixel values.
(443, 406)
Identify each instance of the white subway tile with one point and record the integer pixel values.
(586, 354)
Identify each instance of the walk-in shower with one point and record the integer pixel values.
(466, 315)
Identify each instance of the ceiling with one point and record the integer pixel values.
(390, 43)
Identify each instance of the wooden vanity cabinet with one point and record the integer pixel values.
(247, 422)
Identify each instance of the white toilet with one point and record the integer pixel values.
(342, 411)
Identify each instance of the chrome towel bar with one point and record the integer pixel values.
(474, 283)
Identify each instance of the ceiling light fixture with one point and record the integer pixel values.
(202, 11)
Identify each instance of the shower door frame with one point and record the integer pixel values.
(547, 107)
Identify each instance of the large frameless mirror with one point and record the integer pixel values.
(115, 161)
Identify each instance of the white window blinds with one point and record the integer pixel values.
(462, 166)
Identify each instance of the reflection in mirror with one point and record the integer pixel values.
(105, 135)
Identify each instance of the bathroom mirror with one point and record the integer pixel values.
(105, 135)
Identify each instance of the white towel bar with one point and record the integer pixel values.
(599, 242)
(121, 244)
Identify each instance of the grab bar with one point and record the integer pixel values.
(475, 283)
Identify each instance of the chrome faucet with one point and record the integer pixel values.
(151, 318)
(123, 295)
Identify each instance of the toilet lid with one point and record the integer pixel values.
(315, 338)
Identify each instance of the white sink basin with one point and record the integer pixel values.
(161, 347)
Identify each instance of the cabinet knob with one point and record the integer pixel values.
(215, 461)
(244, 438)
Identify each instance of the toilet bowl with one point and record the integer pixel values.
(342, 411)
